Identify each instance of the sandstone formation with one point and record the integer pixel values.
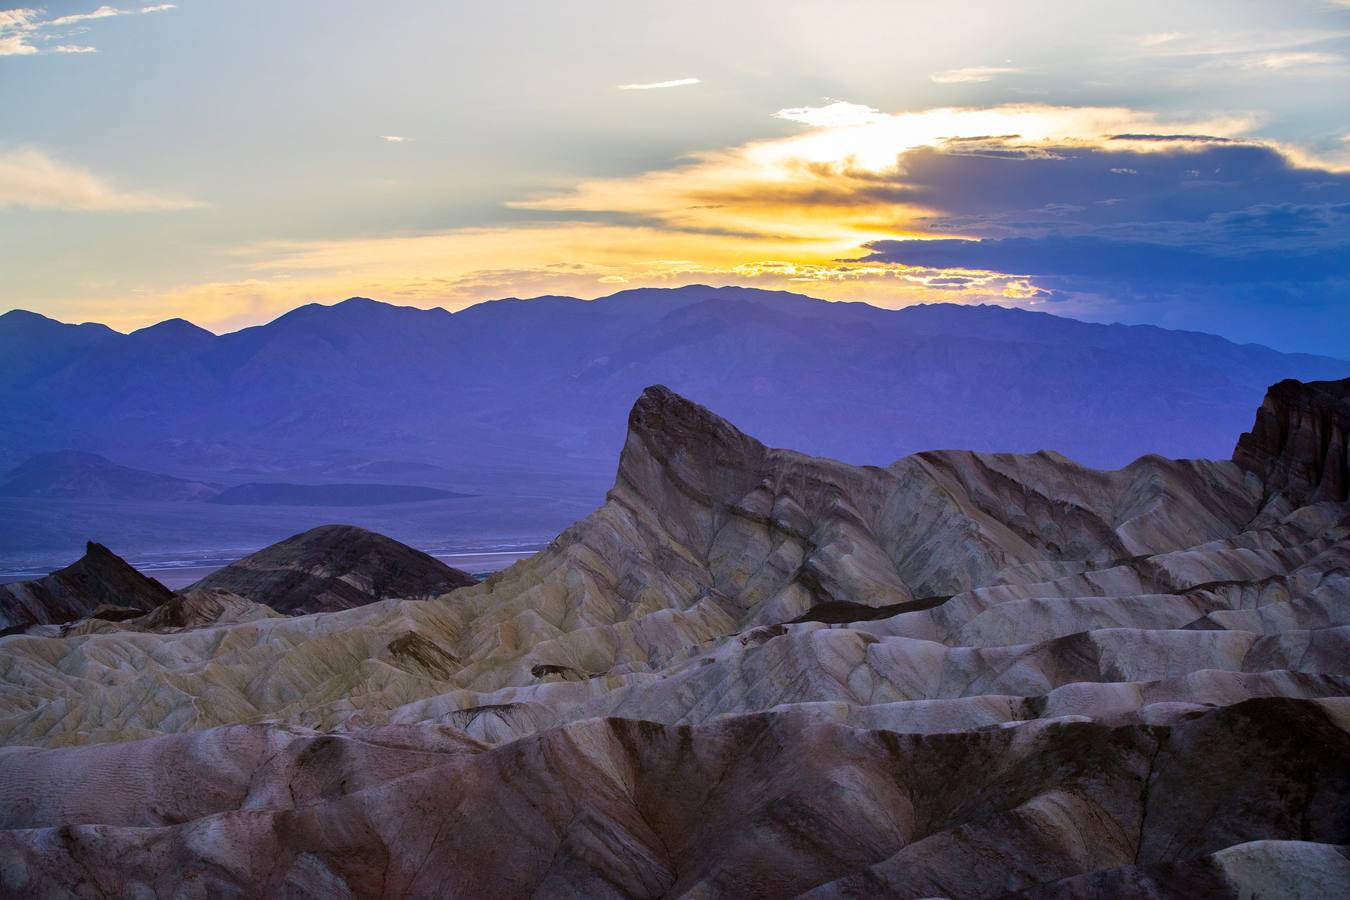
(750, 673)
(335, 567)
(100, 578)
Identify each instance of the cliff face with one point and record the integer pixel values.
(1298, 444)
(99, 578)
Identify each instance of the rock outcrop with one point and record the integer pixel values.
(750, 673)
(1300, 444)
(100, 578)
(335, 567)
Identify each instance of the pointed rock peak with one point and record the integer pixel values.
(99, 578)
(115, 574)
(666, 420)
(1300, 442)
(97, 550)
(673, 440)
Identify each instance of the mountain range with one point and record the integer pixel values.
(752, 673)
(520, 400)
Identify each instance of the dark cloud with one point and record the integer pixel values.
(1138, 188)
(1215, 235)
(1172, 138)
(1105, 258)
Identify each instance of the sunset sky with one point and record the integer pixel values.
(1185, 164)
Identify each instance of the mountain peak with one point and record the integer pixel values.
(174, 329)
(27, 320)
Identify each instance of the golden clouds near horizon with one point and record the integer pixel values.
(789, 212)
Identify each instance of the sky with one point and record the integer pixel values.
(1184, 164)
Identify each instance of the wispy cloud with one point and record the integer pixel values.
(103, 12)
(972, 74)
(1159, 38)
(393, 138)
(20, 26)
(656, 85)
(30, 178)
(1278, 62)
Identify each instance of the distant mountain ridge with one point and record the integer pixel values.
(543, 375)
(527, 397)
(75, 474)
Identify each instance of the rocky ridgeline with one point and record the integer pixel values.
(749, 673)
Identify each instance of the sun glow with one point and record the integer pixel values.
(789, 211)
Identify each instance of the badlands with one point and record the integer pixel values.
(750, 673)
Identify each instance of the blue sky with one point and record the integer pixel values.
(1183, 164)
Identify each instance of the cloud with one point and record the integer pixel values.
(1069, 258)
(16, 45)
(841, 181)
(31, 179)
(393, 138)
(14, 27)
(103, 12)
(1107, 212)
(18, 27)
(971, 74)
(1278, 62)
(656, 85)
(1159, 38)
(838, 114)
(17, 19)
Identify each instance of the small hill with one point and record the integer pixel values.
(335, 567)
(76, 475)
(99, 578)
